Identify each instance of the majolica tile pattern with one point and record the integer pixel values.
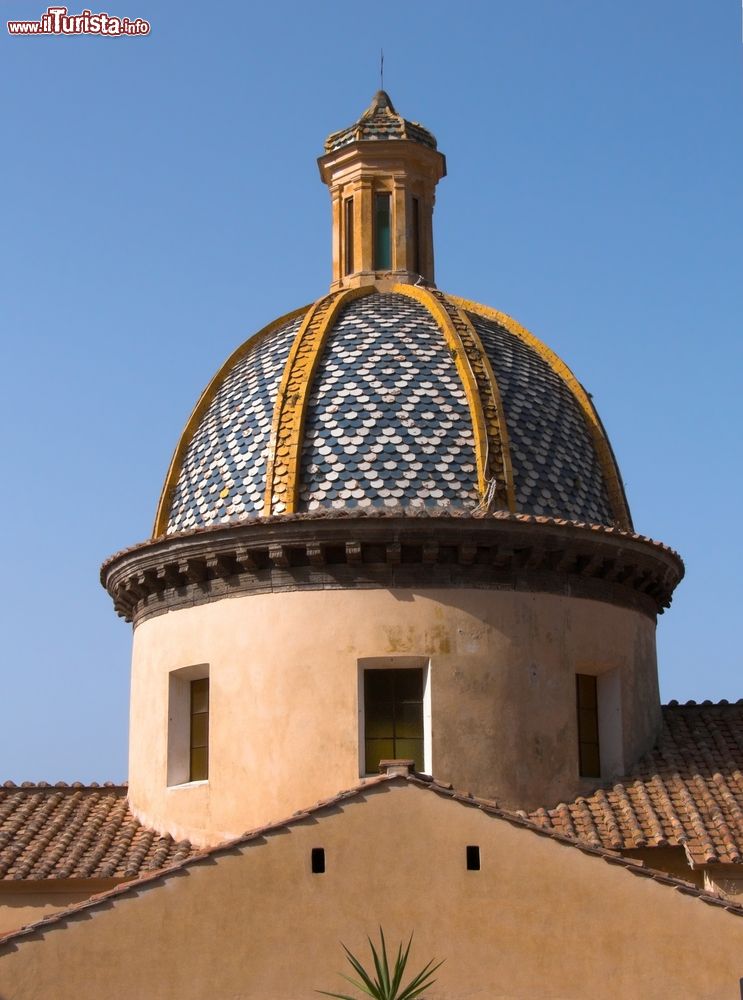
(78, 832)
(388, 423)
(223, 477)
(688, 791)
(556, 471)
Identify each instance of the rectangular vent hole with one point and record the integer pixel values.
(318, 860)
(473, 858)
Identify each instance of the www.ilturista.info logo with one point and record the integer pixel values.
(56, 21)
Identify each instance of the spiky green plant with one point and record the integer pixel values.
(385, 983)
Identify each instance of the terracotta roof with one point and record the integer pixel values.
(687, 792)
(153, 879)
(77, 831)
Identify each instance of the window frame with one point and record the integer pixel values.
(608, 718)
(377, 264)
(587, 719)
(179, 730)
(422, 663)
(198, 741)
(348, 235)
(415, 234)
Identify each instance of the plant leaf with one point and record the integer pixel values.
(421, 982)
(400, 964)
(369, 986)
(387, 984)
(383, 967)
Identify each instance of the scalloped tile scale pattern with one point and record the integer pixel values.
(556, 471)
(388, 423)
(223, 477)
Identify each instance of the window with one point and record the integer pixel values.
(199, 744)
(382, 231)
(393, 714)
(348, 231)
(415, 229)
(188, 725)
(473, 858)
(317, 860)
(586, 696)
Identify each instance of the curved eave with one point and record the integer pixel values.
(496, 551)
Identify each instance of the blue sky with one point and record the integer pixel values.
(161, 202)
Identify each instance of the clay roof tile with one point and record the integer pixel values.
(77, 831)
(153, 879)
(687, 792)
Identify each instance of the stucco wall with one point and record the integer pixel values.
(284, 726)
(24, 902)
(540, 919)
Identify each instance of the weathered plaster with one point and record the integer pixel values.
(283, 673)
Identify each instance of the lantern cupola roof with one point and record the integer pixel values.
(380, 121)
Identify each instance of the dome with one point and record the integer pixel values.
(407, 400)
(387, 395)
(391, 478)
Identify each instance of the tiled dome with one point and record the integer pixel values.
(381, 400)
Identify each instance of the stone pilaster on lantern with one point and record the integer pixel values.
(382, 173)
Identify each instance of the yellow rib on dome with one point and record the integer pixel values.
(204, 401)
(492, 453)
(284, 455)
(614, 487)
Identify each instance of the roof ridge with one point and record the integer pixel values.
(63, 785)
(691, 703)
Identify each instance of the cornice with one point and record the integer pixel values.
(395, 550)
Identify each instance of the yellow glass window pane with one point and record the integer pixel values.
(200, 729)
(409, 721)
(199, 764)
(379, 728)
(410, 750)
(200, 695)
(377, 750)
